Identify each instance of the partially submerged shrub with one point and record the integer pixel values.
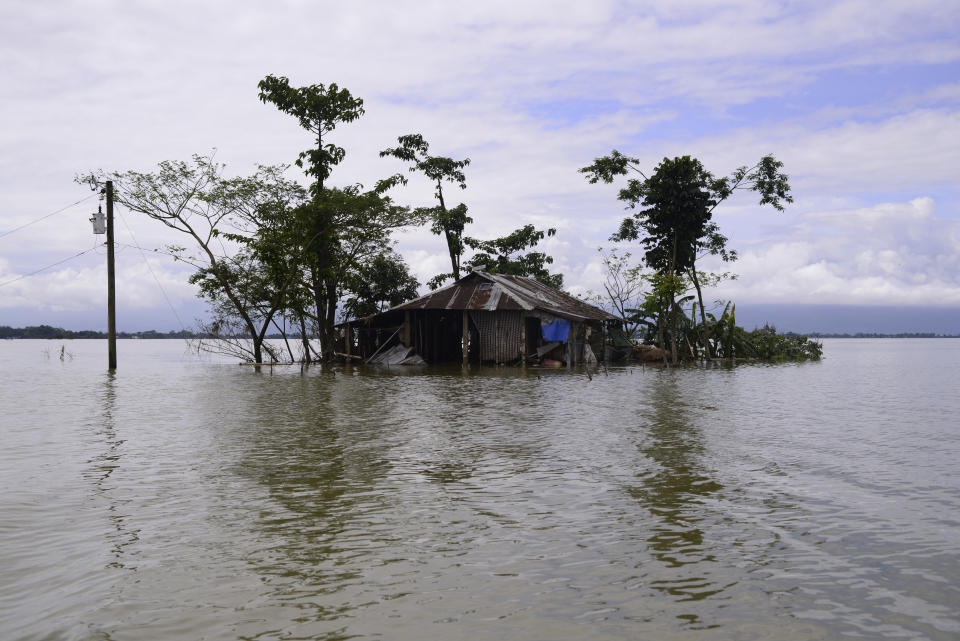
(766, 344)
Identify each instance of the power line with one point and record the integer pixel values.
(59, 262)
(162, 291)
(152, 251)
(7, 233)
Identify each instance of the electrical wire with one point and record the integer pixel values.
(15, 229)
(144, 255)
(59, 262)
(152, 251)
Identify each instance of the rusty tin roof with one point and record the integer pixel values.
(480, 290)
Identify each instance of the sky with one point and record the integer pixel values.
(860, 100)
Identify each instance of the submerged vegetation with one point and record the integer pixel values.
(641, 300)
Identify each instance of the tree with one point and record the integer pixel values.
(674, 205)
(357, 227)
(195, 199)
(344, 224)
(439, 169)
(505, 255)
(318, 109)
(625, 290)
(380, 283)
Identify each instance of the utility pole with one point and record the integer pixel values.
(111, 291)
(100, 227)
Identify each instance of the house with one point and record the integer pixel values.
(483, 318)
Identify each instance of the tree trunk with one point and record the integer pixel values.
(328, 348)
(660, 320)
(257, 352)
(676, 329)
(320, 303)
(283, 334)
(454, 263)
(304, 339)
(673, 301)
(703, 314)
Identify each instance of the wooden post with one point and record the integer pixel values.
(111, 291)
(586, 341)
(570, 338)
(574, 334)
(603, 341)
(406, 328)
(347, 338)
(523, 339)
(466, 338)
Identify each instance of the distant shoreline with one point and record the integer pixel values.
(876, 335)
(58, 333)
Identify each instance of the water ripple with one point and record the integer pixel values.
(186, 499)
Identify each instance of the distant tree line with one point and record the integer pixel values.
(876, 335)
(47, 331)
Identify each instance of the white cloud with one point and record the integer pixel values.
(509, 85)
(892, 253)
(80, 288)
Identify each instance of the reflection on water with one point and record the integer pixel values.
(102, 465)
(314, 481)
(182, 499)
(672, 491)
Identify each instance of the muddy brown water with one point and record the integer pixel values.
(188, 498)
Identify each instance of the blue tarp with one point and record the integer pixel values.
(558, 330)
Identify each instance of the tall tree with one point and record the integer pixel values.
(439, 169)
(318, 109)
(674, 205)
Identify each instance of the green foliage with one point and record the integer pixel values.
(675, 204)
(340, 228)
(413, 149)
(676, 210)
(732, 341)
(439, 169)
(227, 221)
(508, 255)
(673, 209)
(607, 168)
(318, 109)
(767, 345)
(766, 178)
(505, 255)
(378, 284)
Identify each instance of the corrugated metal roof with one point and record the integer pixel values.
(480, 290)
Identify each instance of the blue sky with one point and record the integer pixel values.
(861, 100)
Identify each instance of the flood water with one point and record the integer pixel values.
(189, 498)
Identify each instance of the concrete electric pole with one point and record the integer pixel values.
(100, 228)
